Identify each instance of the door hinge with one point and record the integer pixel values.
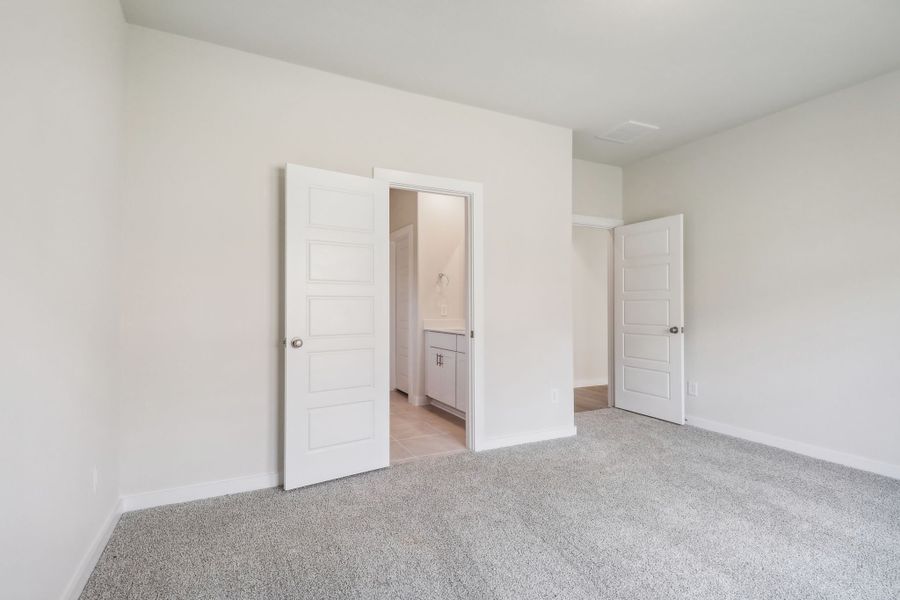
(472, 334)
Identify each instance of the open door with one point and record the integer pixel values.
(337, 344)
(649, 318)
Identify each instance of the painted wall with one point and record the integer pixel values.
(442, 249)
(208, 132)
(792, 263)
(61, 64)
(404, 209)
(597, 192)
(596, 189)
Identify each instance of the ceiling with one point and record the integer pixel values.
(691, 67)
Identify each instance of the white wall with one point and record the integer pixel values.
(61, 64)
(596, 189)
(792, 263)
(209, 130)
(404, 209)
(442, 249)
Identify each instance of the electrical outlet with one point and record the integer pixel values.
(554, 396)
(443, 310)
(95, 479)
(693, 388)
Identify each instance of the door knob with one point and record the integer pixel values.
(296, 343)
(673, 329)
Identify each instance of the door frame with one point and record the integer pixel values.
(473, 192)
(609, 224)
(412, 316)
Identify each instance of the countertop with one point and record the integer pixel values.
(450, 330)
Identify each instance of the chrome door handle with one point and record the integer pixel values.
(296, 343)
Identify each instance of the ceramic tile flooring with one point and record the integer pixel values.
(418, 431)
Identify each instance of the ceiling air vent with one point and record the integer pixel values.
(627, 132)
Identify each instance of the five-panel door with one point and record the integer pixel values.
(337, 338)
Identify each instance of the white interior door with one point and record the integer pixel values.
(336, 367)
(649, 318)
(402, 243)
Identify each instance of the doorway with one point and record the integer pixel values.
(644, 293)
(337, 320)
(591, 313)
(429, 324)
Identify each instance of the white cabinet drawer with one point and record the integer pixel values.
(462, 343)
(434, 339)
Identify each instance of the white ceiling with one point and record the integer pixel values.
(692, 67)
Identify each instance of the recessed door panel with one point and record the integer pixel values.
(336, 315)
(331, 426)
(341, 369)
(645, 312)
(647, 347)
(333, 208)
(646, 381)
(650, 243)
(645, 278)
(330, 262)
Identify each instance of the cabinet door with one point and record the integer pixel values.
(440, 373)
(462, 382)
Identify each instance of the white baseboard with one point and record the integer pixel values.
(527, 437)
(199, 491)
(841, 458)
(89, 560)
(591, 382)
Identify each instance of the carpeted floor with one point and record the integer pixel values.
(632, 508)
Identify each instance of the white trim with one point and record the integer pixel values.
(579, 383)
(835, 456)
(527, 437)
(199, 491)
(596, 222)
(409, 232)
(474, 192)
(89, 560)
(392, 302)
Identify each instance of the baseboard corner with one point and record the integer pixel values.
(86, 566)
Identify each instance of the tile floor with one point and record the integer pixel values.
(418, 431)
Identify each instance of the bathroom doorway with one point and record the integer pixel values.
(432, 329)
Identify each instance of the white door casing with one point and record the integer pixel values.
(404, 299)
(649, 318)
(337, 350)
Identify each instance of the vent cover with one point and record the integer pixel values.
(627, 132)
